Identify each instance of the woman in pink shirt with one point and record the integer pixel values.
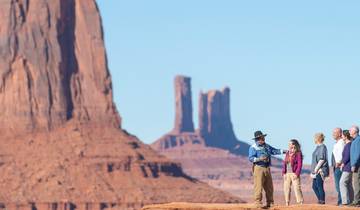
(291, 171)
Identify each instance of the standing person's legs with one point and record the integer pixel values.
(356, 183)
(258, 184)
(345, 187)
(287, 187)
(268, 187)
(320, 184)
(297, 188)
(315, 189)
(337, 176)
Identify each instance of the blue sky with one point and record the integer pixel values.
(293, 67)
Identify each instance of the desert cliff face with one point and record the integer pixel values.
(62, 146)
(53, 65)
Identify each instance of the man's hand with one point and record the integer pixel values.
(337, 165)
(342, 166)
(313, 175)
(264, 158)
(353, 169)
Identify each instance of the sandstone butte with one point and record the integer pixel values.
(202, 206)
(212, 153)
(61, 145)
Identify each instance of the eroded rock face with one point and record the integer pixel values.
(53, 65)
(215, 124)
(214, 119)
(183, 105)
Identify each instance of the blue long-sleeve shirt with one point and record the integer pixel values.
(256, 151)
(355, 152)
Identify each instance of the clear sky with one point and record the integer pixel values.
(293, 67)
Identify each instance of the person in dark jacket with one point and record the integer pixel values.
(291, 171)
(346, 189)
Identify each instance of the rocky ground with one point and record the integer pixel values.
(202, 206)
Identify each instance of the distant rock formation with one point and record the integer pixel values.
(214, 119)
(61, 145)
(183, 105)
(183, 132)
(215, 126)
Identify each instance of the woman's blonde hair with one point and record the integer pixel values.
(319, 137)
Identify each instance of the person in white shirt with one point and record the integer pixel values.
(337, 158)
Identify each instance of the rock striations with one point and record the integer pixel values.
(53, 65)
(62, 146)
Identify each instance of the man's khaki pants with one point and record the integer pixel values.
(292, 179)
(263, 180)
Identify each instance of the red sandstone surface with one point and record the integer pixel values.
(92, 165)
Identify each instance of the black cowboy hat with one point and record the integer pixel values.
(258, 134)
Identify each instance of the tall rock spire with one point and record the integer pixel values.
(183, 105)
(53, 65)
(215, 125)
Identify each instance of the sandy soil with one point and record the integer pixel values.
(203, 206)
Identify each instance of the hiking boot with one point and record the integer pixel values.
(354, 204)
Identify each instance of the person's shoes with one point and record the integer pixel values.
(301, 203)
(258, 205)
(321, 202)
(269, 205)
(354, 204)
(287, 204)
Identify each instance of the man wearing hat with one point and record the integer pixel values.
(260, 155)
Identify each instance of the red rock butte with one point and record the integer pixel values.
(62, 146)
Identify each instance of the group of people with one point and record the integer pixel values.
(345, 164)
